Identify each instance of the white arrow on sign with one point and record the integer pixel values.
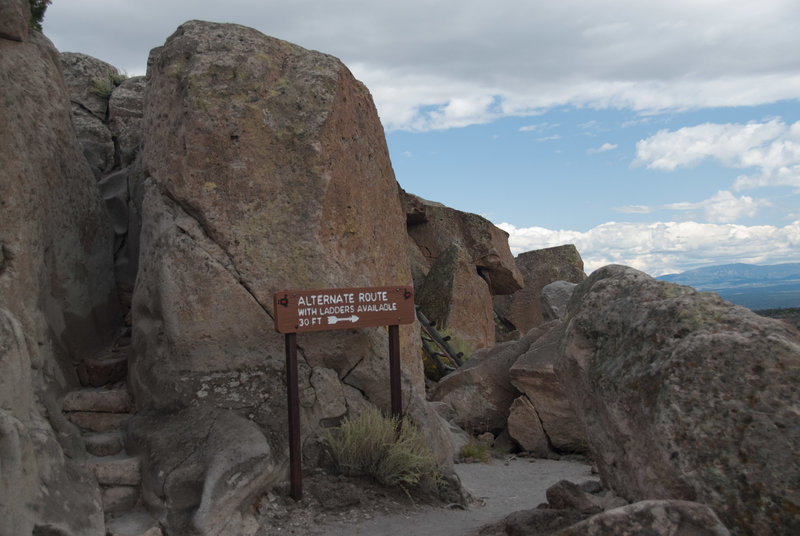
(335, 319)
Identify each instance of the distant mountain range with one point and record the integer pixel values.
(753, 286)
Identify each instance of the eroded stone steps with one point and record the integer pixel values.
(102, 414)
(104, 443)
(137, 522)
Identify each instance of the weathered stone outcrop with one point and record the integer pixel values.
(205, 462)
(435, 227)
(573, 510)
(525, 427)
(533, 374)
(57, 297)
(685, 396)
(268, 170)
(106, 113)
(523, 309)
(459, 260)
(480, 392)
(455, 297)
(83, 75)
(14, 17)
(656, 518)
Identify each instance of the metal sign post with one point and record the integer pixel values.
(298, 311)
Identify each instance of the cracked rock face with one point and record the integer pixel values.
(686, 396)
(267, 170)
(57, 296)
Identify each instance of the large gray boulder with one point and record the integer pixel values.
(14, 17)
(57, 297)
(198, 477)
(267, 170)
(653, 518)
(685, 396)
(525, 427)
(533, 374)
(523, 309)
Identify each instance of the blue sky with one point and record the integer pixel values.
(662, 135)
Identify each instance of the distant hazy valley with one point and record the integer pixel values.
(753, 286)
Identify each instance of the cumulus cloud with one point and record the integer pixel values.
(771, 149)
(666, 247)
(722, 207)
(441, 65)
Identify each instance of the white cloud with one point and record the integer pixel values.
(635, 209)
(463, 111)
(772, 148)
(722, 207)
(538, 127)
(603, 148)
(666, 247)
(437, 65)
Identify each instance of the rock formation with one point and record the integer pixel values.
(573, 510)
(533, 374)
(480, 392)
(523, 309)
(685, 396)
(525, 427)
(57, 295)
(458, 300)
(656, 518)
(458, 260)
(106, 113)
(267, 170)
(252, 165)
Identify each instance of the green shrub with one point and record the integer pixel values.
(38, 7)
(102, 86)
(477, 450)
(371, 445)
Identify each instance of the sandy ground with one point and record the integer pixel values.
(500, 487)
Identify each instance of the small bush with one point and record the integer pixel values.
(476, 450)
(371, 445)
(38, 7)
(102, 86)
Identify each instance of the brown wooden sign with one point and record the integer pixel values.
(298, 311)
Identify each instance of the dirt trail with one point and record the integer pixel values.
(504, 488)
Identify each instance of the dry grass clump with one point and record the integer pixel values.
(374, 445)
(104, 85)
(476, 450)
